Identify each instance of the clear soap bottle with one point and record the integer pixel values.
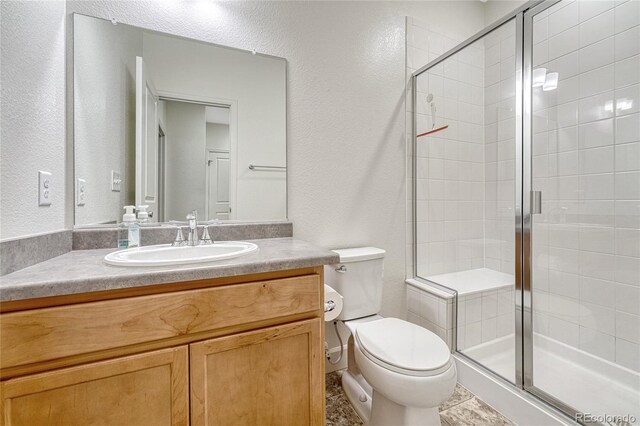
(128, 230)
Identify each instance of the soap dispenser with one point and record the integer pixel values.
(128, 230)
(143, 215)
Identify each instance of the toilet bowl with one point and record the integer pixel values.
(409, 368)
(398, 373)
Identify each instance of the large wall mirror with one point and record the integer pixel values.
(177, 125)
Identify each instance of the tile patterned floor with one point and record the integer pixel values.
(462, 409)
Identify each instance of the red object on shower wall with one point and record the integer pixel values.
(433, 131)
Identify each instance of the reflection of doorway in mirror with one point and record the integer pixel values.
(161, 173)
(147, 125)
(218, 180)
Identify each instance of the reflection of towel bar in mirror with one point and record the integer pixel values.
(255, 167)
(433, 131)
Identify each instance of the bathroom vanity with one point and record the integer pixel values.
(231, 342)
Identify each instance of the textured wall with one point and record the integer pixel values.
(33, 115)
(345, 131)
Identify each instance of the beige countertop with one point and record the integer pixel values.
(83, 271)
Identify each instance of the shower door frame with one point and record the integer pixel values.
(523, 320)
(527, 188)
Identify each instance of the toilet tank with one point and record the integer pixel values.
(358, 278)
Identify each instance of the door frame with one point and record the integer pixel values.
(162, 169)
(232, 104)
(526, 235)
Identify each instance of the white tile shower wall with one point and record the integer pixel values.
(586, 149)
(485, 316)
(431, 312)
(499, 149)
(449, 172)
(423, 45)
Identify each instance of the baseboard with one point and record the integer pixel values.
(334, 353)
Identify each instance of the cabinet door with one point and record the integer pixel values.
(273, 376)
(144, 389)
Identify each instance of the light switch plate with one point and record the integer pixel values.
(81, 191)
(44, 188)
(115, 181)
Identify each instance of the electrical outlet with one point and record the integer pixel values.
(44, 188)
(81, 192)
(115, 181)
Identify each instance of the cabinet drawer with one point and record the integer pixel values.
(39, 335)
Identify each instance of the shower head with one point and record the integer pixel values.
(433, 110)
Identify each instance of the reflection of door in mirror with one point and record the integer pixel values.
(147, 125)
(218, 193)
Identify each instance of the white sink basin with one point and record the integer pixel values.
(164, 254)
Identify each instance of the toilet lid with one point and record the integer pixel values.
(403, 346)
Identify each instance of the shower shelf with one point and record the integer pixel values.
(433, 131)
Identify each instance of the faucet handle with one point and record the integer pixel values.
(179, 241)
(206, 238)
(193, 214)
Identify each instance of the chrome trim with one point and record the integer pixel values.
(557, 404)
(414, 167)
(520, 84)
(528, 5)
(526, 234)
(445, 289)
(527, 216)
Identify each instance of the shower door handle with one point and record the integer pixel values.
(536, 202)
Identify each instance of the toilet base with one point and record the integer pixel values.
(359, 394)
(385, 412)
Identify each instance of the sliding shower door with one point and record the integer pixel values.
(582, 142)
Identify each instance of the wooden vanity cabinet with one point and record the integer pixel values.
(232, 351)
(151, 388)
(265, 377)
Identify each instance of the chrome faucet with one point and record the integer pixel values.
(192, 220)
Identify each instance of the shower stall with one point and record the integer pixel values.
(526, 196)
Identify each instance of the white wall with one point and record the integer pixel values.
(104, 132)
(345, 101)
(496, 9)
(33, 115)
(257, 86)
(186, 162)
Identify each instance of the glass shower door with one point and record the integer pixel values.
(582, 136)
(466, 126)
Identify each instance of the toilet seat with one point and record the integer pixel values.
(403, 347)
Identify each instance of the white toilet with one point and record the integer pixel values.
(398, 372)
